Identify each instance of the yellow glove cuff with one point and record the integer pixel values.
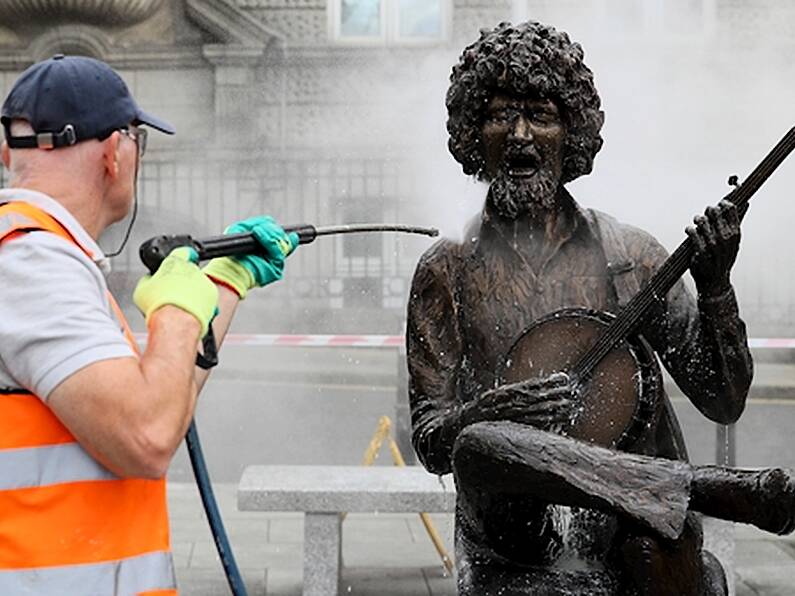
(232, 273)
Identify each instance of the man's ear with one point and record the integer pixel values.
(5, 154)
(110, 155)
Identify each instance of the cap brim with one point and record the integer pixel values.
(155, 122)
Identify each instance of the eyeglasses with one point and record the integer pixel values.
(138, 135)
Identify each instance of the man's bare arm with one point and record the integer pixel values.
(130, 414)
(227, 306)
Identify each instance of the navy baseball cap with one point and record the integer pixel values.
(68, 99)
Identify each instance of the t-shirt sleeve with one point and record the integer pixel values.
(54, 313)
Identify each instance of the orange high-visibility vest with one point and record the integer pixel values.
(67, 524)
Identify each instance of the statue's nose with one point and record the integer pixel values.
(522, 128)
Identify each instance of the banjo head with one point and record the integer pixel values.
(617, 403)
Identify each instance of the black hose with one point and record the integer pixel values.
(213, 515)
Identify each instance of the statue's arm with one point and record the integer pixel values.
(703, 344)
(433, 350)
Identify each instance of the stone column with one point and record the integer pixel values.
(235, 92)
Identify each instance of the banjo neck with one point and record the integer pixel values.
(673, 268)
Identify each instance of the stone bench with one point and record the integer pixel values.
(324, 492)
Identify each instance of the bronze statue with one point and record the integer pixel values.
(524, 116)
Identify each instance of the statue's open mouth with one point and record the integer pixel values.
(522, 172)
(522, 166)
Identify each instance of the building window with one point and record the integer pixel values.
(361, 18)
(389, 22)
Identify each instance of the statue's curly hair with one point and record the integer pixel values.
(523, 60)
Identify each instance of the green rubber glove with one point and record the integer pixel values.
(179, 282)
(243, 273)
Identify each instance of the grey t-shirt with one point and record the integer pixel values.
(55, 316)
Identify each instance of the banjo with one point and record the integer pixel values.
(612, 369)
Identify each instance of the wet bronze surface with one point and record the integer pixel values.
(524, 116)
(608, 405)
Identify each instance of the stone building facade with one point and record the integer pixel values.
(268, 106)
(280, 111)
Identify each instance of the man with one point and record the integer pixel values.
(88, 425)
(524, 115)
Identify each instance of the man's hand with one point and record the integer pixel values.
(178, 282)
(245, 272)
(538, 402)
(716, 241)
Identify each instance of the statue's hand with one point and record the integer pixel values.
(537, 402)
(716, 241)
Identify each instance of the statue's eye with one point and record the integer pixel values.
(542, 117)
(504, 115)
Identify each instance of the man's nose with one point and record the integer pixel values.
(522, 128)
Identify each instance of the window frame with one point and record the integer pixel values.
(390, 27)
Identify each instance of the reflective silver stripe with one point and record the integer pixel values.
(12, 220)
(127, 577)
(44, 466)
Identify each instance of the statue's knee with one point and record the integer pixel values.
(469, 445)
(484, 443)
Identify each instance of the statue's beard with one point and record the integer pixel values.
(512, 196)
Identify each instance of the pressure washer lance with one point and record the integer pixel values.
(152, 253)
(154, 250)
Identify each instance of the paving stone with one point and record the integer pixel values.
(284, 581)
(253, 554)
(181, 552)
(209, 582)
(406, 581)
(440, 583)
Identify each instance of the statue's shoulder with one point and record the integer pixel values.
(441, 256)
(633, 240)
(448, 252)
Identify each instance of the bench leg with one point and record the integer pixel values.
(322, 553)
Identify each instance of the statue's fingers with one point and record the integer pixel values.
(726, 222)
(729, 210)
(561, 415)
(558, 378)
(725, 230)
(525, 385)
(699, 245)
(706, 228)
(551, 405)
(541, 420)
(557, 392)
